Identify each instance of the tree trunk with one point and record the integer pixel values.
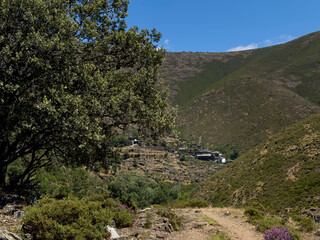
(3, 173)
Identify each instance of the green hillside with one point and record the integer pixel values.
(239, 99)
(282, 173)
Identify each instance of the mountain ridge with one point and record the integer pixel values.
(235, 100)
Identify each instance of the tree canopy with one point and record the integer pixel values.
(72, 75)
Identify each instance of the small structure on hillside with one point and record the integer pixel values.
(134, 141)
(216, 154)
(204, 155)
(222, 160)
(183, 150)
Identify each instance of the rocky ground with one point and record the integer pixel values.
(197, 224)
(152, 224)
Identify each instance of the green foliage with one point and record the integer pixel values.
(264, 222)
(174, 219)
(148, 223)
(61, 181)
(267, 223)
(220, 236)
(71, 75)
(281, 173)
(67, 219)
(293, 233)
(305, 224)
(253, 214)
(189, 203)
(73, 218)
(134, 189)
(123, 218)
(126, 155)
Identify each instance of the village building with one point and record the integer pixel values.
(204, 155)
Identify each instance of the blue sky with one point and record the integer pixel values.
(223, 25)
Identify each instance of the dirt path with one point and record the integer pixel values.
(198, 224)
(233, 223)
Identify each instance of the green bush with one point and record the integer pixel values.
(67, 219)
(253, 214)
(267, 223)
(192, 203)
(174, 219)
(60, 181)
(123, 218)
(126, 155)
(294, 235)
(220, 236)
(306, 224)
(148, 223)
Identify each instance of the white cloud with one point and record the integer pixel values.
(167, 41)
(268, 42)
(278, 40)
(243, 48)
(285, 37)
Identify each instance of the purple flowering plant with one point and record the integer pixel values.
(277, 233)
(123, 206)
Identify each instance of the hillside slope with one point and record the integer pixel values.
(282, 173)
(240, 99)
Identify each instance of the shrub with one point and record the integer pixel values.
(253, 214)
(306, 224)
(123, 218)
(193, 203)
(198, 203)
(60, 181)
(220, 236)
(67, 219)
(277, 233)
(174, 219)
(126, 155)
(148, 223)
(74, 218)
(267, 223)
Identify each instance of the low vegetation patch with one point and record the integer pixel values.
(305, 224)
(174, 219)
(137, 190)
(272, 226)
(281, 173)
(74, 218)
(220, 236)
(190, 203)
(209, 220)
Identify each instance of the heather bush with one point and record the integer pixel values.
(277, 233)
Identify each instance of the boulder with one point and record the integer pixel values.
(5, 235)
(114, 234)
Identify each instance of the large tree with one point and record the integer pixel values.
(72, 75)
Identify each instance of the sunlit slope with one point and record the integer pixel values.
(240, 99)
(282, 173)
